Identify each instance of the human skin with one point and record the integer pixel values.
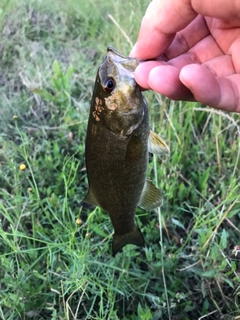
(190, 50)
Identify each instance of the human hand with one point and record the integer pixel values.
(193, 51)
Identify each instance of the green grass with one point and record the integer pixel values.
(54, 268)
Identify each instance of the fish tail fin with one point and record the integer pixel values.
(133, 237)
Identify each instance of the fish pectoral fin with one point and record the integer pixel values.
(133, 237)
(151, 196)
(90, 199)
(157, 145)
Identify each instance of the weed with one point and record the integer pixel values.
(55, 259)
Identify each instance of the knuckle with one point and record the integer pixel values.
(181, 41)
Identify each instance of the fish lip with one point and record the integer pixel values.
(111, 51)
(116, 57)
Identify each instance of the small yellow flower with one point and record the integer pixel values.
(22, 167)
(70, 135)
(78, 221)
(15, 117)
(29, 189)
(88, 235)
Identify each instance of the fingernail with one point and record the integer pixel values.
(132, 53)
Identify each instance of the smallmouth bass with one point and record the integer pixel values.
(117, 145)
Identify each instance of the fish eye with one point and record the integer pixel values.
(108, 84)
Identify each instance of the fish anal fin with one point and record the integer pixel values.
(90, 199)
(157, 145)
(151, 197)
(133, 237)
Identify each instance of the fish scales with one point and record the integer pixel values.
(116, 172)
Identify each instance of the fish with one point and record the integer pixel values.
(117, 144)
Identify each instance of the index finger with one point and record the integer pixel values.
(164, 18)
(159, 26)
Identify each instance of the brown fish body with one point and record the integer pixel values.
(117, 146)
(115, 172)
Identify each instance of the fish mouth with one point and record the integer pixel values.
(127, 62)
(118, 67)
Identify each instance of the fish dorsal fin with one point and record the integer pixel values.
(90, 199)
(151, 197)
(157, 145)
